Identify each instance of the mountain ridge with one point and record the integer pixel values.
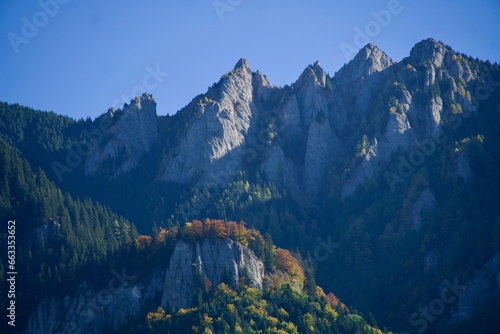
(220, 130)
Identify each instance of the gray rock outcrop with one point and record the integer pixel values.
(485, 284)
(365, 171)
(463, 168)
(409, 123)
(207, 259)
(212, 151)
(369, 60)
(322, 147)
(425, 201)
(132, 132)
(280, 169)
(87, 312)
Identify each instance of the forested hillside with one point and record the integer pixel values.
(60, 241)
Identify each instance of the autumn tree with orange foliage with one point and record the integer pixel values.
(143, 242)
(288, 264)
(209, 229)
(214, 229)
(193, 231)
(231, 229)
(167, 236)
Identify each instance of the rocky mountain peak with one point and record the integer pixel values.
(428, 50)
(243, 65)
(320, 73)
(262, 86)
(313, 74)
(131, 133)
(145, 102)
(370, 59)
(212, 149)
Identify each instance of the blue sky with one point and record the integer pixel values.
(79, 58)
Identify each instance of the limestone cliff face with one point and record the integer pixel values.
(130, 135)
(94, 311)
(409, 122)
(321, 150)
(207, 259)
(425, 201)
(296, 135)
(365, 171)
(485, 284)
(310, 94)
(212, 151)
(218, 142)
(358, 78)
(463, 167)
(311, 114)
(322, 144)
(89, 311)
(439, 65)
(368, 61)
(280, 169)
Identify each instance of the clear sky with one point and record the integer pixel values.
(79, 58)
